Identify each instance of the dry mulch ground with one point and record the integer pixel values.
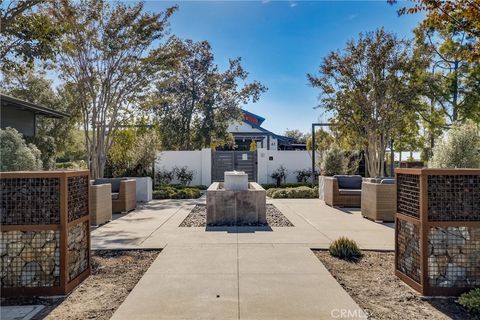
(198, 218)
(114, 274)
(371, 282)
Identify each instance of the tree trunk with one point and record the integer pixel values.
(455, 92)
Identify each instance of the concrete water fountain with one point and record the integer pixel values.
(236, 201)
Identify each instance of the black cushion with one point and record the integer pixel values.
(349, 182)
(387, 181)
(350, 192)
(115, 182)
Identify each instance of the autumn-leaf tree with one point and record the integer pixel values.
(369, 90)
(195, 102)
(108, 55)
(461, 15)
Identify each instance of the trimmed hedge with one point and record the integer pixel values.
(298, 192)
(176, 192)
(286, 185)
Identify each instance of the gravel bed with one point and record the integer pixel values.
(114, 274)
(372, 283)
(198, 218)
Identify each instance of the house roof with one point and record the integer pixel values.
(255, 121)
(252, 117)
(9, 101)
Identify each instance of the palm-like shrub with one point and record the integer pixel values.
(15, 154)
(458, 148)
(334, 162)
(345, 249)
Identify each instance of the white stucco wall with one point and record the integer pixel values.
(270, 160)
(198, 160)
(267, 161)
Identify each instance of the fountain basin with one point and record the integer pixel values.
(236, 207)
(236, 180)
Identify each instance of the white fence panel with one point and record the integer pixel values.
(291, 160)
(199, 161)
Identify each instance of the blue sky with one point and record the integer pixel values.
(280, 41)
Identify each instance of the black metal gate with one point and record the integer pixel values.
(234, 160)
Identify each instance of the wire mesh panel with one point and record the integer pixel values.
(26, 201)
(77, 197)
(454, 257)
(77, 250)
(408, 194)
(30, 259)
(453, 198)
(408, 249)
(449, 226)
(40, 252)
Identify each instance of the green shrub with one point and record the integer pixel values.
(345, 249)
(470, 300)
(279, 175)
(270, 191)
(291, 193)
(80, 164)
(286, 185)
(48, 150)
(183, 175)
(459, 148)
(176, 192)
(334, 162)
(164, 177)
(15, 154)
(305, 175)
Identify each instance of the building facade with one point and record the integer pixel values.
(250, 129)
(22, 115)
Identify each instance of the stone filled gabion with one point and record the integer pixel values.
(408, 248)
(30, 258)
(446, 226)
(77, 250)
(26, 201)
(454, 257)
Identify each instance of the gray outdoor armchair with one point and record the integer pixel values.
(379, 199)
(100, 203)
(123, 194)
(343, 191)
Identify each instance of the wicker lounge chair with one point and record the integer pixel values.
(123, 196)
(100, 203)
(343, 191)
(379, 200)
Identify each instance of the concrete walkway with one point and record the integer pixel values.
(239, 273)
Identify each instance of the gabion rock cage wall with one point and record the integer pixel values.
(437, 230)
(45, 234)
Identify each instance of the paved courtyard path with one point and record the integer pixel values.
(239, 273)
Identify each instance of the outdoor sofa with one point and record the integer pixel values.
(123, 194)
(100, 203)
(379, 199)
(343, 191)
